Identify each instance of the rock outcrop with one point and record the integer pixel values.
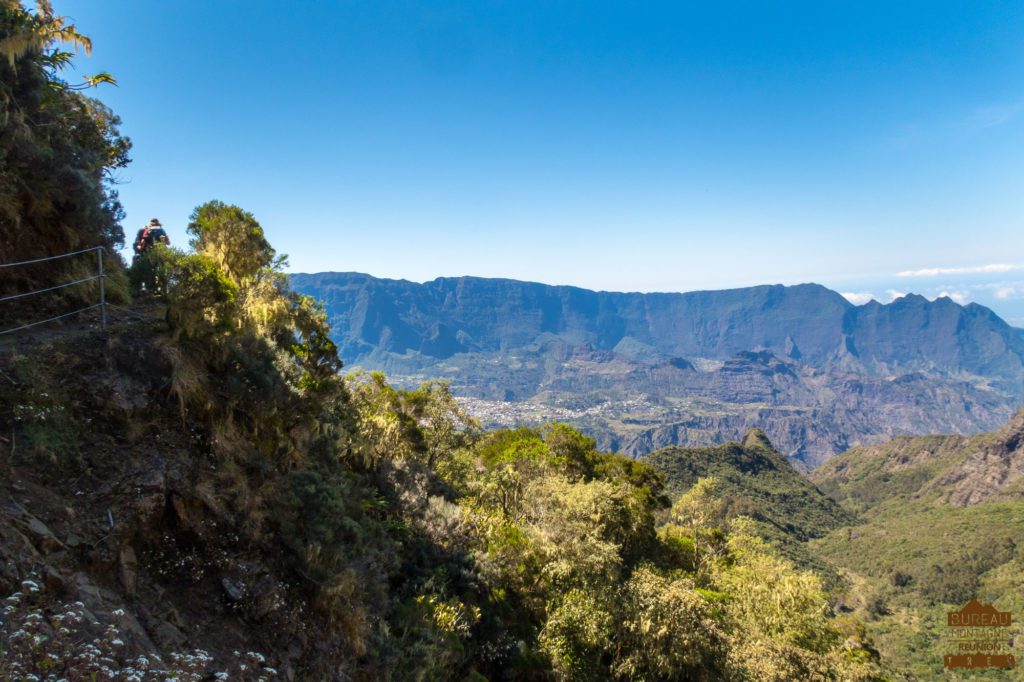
(954, 470)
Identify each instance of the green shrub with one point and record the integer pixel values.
(151, 271)
(200, 299)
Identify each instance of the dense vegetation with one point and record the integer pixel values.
(59, 152)
(935, 529)
(422, 547)
(754, 481)
(751, 479)
(412, 545)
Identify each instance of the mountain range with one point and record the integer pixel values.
(640, 371)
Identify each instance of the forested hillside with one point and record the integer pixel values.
(59, 152)
(751, 479)
(331, 530)
(201, 490)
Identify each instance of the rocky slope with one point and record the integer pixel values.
(110, 498)
(953, 470)
(643, 371)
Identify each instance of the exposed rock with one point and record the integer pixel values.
(756, 438)
(372, 316)
(128, 570)
(952, 470)
(233, 592)
(992, 470)
(39, 533)
(169, 636)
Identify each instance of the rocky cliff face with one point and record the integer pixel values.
(806, 322)
(954, 470)
(641, 371)
(994, 470)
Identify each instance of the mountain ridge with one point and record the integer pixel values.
(958, 471)
(438, 318)
(757, 481)
(938, 523)
(639, 371)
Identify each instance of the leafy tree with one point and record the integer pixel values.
(201, 298)
(699, 510)
(577, 634)
(387, 427)
(668, 631)
(59, 151)
(570, 451)
(777, 616)
(37, 33)
(447, 428)
(233, 239)
(312, 346)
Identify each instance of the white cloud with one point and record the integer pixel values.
(1005, 293)
(893, 294)
(967, 270)
(988, 117)
(858, 297)
(958, 296)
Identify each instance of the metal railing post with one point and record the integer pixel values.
(100, 275)
(103, 292)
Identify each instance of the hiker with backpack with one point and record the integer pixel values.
(145, 272)
(149, 236)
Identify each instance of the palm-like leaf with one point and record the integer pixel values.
(39, 32)
(28, 31)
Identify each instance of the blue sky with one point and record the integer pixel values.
(623, 146)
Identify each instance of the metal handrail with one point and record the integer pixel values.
(43, 291)
(102, 305)
(51, 319)
(63, 255)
